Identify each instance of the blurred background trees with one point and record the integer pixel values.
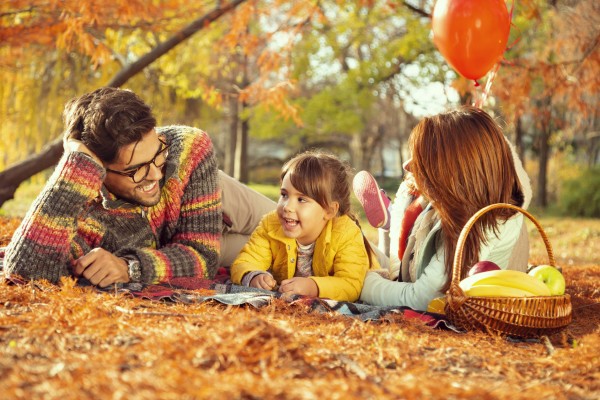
(267, 79)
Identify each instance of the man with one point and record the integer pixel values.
(129, 202)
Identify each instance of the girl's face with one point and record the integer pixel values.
(301, 217)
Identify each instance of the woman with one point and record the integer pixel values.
(461, 162)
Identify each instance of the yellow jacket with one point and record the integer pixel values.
(340, 260)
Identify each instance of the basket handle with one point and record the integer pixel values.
(458, 254)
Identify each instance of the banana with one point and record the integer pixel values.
(437, 305)
(508, 278)
(496, 291)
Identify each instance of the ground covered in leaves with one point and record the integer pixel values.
(73, 343)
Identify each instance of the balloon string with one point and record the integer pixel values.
(488, 85)
(480, 100)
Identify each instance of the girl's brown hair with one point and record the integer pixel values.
(461, 162)
(326, 179)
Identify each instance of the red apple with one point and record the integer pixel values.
(482, 266)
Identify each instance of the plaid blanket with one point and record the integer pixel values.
(190, 290)
(198, 290)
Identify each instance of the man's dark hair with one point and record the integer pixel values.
(107, 119)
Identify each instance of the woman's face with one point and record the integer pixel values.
(406, 165)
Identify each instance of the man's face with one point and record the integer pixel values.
(147, 191)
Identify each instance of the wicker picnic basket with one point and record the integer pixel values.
(525, 317)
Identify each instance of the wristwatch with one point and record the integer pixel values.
(133, 269)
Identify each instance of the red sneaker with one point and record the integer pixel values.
(373, 200)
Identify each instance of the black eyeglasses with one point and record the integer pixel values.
(140, 173)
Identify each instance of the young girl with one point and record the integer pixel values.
(311, 245)
(461, 162)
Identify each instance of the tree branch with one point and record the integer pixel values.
(14, 175)
(416, 10)
(162, 48)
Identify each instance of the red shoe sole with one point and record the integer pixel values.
(368, 194)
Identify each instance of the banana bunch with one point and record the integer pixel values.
(503, 283)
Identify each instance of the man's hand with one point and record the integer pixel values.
(301, 286)
(101, 268)
(72, 145)
(263, 281)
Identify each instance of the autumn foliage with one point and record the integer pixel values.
(71, 342)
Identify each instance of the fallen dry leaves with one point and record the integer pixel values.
(72, 343)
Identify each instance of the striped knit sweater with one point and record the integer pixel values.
(75, 213)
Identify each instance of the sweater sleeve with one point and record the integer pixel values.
(380, 291)
(193, 247)
(499, 248)
(41, 246)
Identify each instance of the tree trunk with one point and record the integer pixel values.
(242, 155)
(519, 139)
(13, 176)
(233, 136)
(542, 197)
(368, 144)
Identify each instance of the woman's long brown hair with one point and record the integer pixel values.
(461, 163)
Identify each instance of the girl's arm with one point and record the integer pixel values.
(255, 255)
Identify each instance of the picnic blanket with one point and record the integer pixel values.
(189, 290)
(198, 290)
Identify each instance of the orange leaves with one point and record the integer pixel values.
(7, 228)
(558, 62)
(79, 343)
(274, 97)
(75, 25)
(265, 36)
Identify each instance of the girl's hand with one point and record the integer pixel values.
(263, 281)
(301, 286)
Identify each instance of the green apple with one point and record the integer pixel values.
(551, 278)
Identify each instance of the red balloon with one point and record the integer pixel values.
(471, 34)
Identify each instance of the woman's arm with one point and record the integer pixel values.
(383, 292)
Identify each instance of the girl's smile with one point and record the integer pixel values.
(301, 217)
